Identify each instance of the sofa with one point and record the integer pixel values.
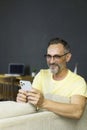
(24, 116)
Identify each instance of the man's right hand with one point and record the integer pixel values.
(21, 96)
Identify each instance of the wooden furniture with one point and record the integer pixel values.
(9, 86)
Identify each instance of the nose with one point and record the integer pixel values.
(52, 60)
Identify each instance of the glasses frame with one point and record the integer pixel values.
(56, 57)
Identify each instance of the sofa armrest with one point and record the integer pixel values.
(43, 121)
(11, 108)
(37, 121)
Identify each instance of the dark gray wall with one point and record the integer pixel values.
(26, 26)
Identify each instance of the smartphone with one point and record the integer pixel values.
(25, 85)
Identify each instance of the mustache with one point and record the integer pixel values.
(53, 64)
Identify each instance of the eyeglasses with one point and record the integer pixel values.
(55, 57)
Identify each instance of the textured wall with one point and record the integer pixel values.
(26, 26)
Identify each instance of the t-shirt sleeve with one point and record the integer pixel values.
(37, 82)
(80, 88)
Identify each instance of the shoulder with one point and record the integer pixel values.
(44, 72)
(76, 77)
(41, 76)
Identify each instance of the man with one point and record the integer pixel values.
(57, 80)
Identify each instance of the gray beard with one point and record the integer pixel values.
(54, 71)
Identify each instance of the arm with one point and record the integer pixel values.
(73, 110)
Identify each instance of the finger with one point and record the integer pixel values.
(34, 90)
(33, 93)
(33, 102)
(22, 91)
(33, 98)
(21, 97)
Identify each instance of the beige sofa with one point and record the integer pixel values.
(24, 116)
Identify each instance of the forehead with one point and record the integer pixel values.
(55, 49)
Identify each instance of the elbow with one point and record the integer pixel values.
(78, 115)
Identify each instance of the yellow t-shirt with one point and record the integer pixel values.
(72, 84)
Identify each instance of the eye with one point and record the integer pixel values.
(47, 56)
(56, 56)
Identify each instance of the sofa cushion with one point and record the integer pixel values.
(12, 109)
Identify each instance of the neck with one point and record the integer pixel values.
(61, 75)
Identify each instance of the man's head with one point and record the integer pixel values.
(58, 54)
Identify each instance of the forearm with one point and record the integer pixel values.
(63, 109)
(71, 110)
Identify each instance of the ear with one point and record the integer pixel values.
(68, 57)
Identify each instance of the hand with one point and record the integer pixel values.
(21, 96)
(35, 97)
